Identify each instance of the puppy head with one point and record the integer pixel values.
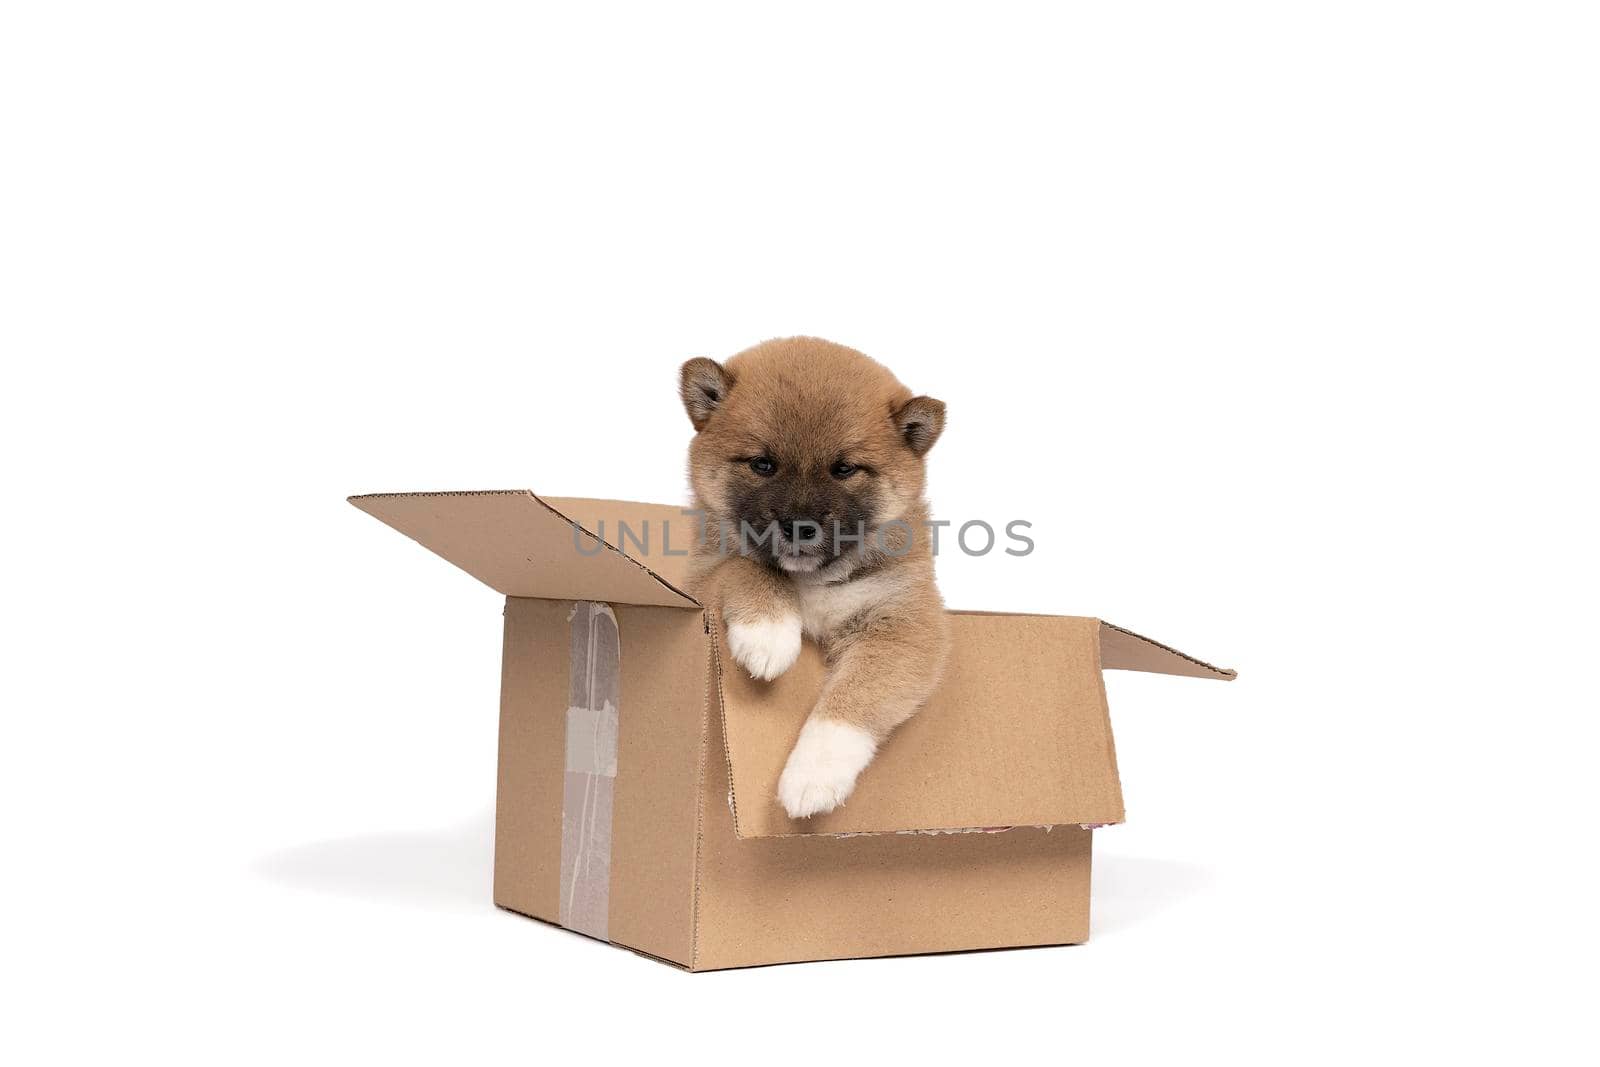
(799, 441)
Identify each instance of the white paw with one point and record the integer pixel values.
(823, 767)
(766, 648)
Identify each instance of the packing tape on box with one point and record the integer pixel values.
(594, 681)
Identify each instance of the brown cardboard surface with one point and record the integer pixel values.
(1124, 650)
(665, 663)
(780, 900)
(1017, 735)
(657, 536)
(664, 655)
(521, 546)
(533, 709)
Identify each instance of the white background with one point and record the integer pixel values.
(1277, 320)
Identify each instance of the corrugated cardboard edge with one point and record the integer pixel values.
(689, 601)
(713, 686)
(714, 627)
(1111, 734)
(1029, 946)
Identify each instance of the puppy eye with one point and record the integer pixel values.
(842, 470)
(764, 466)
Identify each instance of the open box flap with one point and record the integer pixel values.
(521, 545)
(1124, 650)
(1017, 735)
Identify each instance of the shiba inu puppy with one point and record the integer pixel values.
(808, 464)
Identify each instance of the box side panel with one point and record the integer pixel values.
(533, 708)
(781, 900)
(665, 656)
(1016, 734)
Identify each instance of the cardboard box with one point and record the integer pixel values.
(639, 766)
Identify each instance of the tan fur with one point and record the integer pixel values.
(809, 404)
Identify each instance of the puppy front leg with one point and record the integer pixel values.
(763, 616)
(878, 682)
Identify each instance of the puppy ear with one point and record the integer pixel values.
(920, 421)
(704, 385)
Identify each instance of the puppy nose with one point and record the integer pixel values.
(800, 527)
